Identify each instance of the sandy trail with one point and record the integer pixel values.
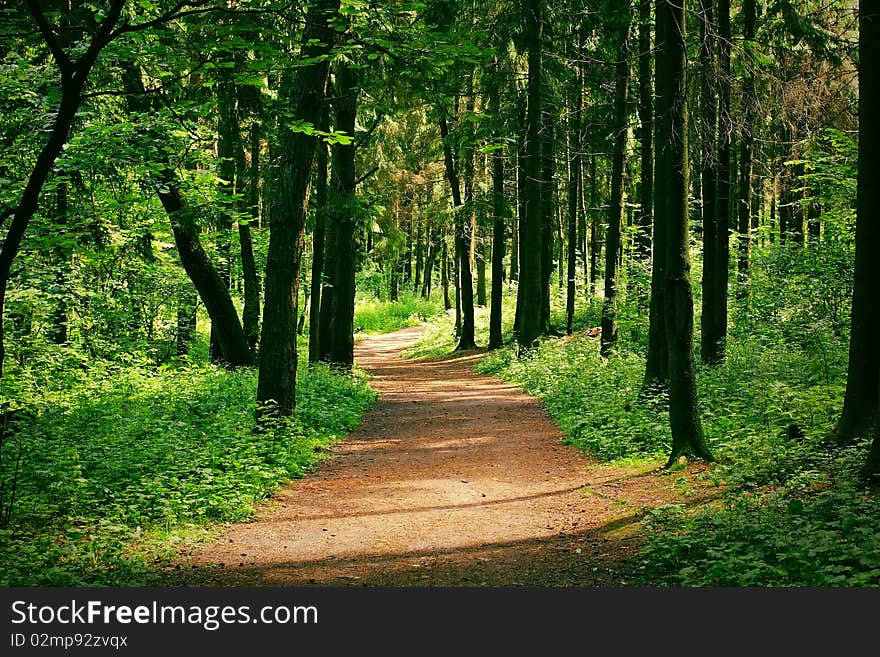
(453, 479)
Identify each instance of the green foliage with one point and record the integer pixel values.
(117, 452)
(829, 180)
(376, 316)
(592, 401)
(823, 531)
(799, 295)
(794, 514)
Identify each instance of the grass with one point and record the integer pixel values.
(375, 316)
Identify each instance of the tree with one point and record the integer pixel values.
(318, 249)
(646, 130)
(575, 144)
(303, 92)
(684, 417)
(73, 72)
(657, 359)
(463, 235)
(718, 333)
(529, 303)
(614, 231)
(226, 328)
(343, 214)
(746, 140)
(711, 347)
(499, 212)
(861, 406)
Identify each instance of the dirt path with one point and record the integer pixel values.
(453, 479)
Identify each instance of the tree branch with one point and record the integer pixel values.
(369, 132)
(366, 175)
(49, 36)
(102, 37)
(171, 14)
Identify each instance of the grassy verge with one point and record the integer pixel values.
(375, 316)
(119, 461)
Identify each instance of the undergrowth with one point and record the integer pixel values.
(376, 316)
(117, 459)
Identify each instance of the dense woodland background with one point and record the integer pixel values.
(204, 203)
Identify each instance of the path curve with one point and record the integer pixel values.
(452, 479)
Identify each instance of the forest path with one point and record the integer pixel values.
(452, 479)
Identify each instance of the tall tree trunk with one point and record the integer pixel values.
(212, 290)
(466, 233)
(344, 210)
(303, 92)
(575, 143)
(228, 143)
(616, 202)
(318, 249)
(657, 359)
(786, 208)
(595, 242)
(328, 286)
(444, 274)
(417, 278)
(433, 249)
(480, 263)
(250, 314)
(456, 279)
(529, 304)
(684, 416)
(463, 237)
(560, 245)
(496, 339)
(861, 406)
(746, 140)
(723, 183)
(583, 228)
(521, 158)
(455, 188)
(407, 261)
(548, 200)
(646, 132)
(711, 341)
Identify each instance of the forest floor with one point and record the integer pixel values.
(452, 479)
